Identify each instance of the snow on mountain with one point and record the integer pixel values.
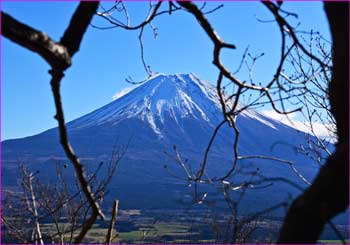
(178, 95)
(123, 92)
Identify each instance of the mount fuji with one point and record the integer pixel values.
(166, 111)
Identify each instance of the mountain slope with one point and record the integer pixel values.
(169, 110)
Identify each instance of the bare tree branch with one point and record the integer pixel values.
(54, 53)
(79, 22)
(111, 224)
(35, 211)
(55, 84)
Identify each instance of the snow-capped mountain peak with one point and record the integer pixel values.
(175, 96)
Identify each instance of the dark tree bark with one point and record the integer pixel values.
(78, 25)
(329, 193)
(54, 53)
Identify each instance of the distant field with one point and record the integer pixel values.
(173, 226)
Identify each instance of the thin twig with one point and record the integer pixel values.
(112, 222)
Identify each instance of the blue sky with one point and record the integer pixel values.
(107, 57)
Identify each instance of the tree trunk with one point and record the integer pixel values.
(329, 193)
